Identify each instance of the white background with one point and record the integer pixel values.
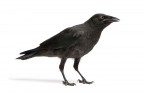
(116, 64)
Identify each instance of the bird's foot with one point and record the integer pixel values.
(84, 81)
(66, 83)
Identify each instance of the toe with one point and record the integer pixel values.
(89, 82)
(72, 84)
(69, 84)
(84, 81)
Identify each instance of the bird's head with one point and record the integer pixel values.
(102, 20)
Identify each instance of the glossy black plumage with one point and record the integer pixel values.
(73, 42)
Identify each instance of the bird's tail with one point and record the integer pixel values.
(27, 54)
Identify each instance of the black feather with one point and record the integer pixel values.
(28, 54)
(64, 39)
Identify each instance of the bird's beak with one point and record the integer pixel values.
(113, 19)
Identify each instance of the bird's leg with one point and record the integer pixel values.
(61, 67)
(76, 63)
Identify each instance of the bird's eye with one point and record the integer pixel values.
(101, 17)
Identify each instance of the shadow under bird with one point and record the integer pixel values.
(72, 42)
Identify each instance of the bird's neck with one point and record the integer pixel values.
(96, 26)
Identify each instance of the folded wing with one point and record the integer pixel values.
(64, 39)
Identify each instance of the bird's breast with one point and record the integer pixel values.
(84, 46)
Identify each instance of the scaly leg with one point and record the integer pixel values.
(76, 63)
(61, 67)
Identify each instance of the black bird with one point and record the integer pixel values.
(72, 42)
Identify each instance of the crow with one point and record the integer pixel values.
(72, 42)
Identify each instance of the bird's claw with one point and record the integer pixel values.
(84, 81)
(66, 83)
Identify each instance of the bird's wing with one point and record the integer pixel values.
(64, 39)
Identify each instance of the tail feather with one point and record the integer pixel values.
(24, 57)
(28, 51)
(27, 54)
